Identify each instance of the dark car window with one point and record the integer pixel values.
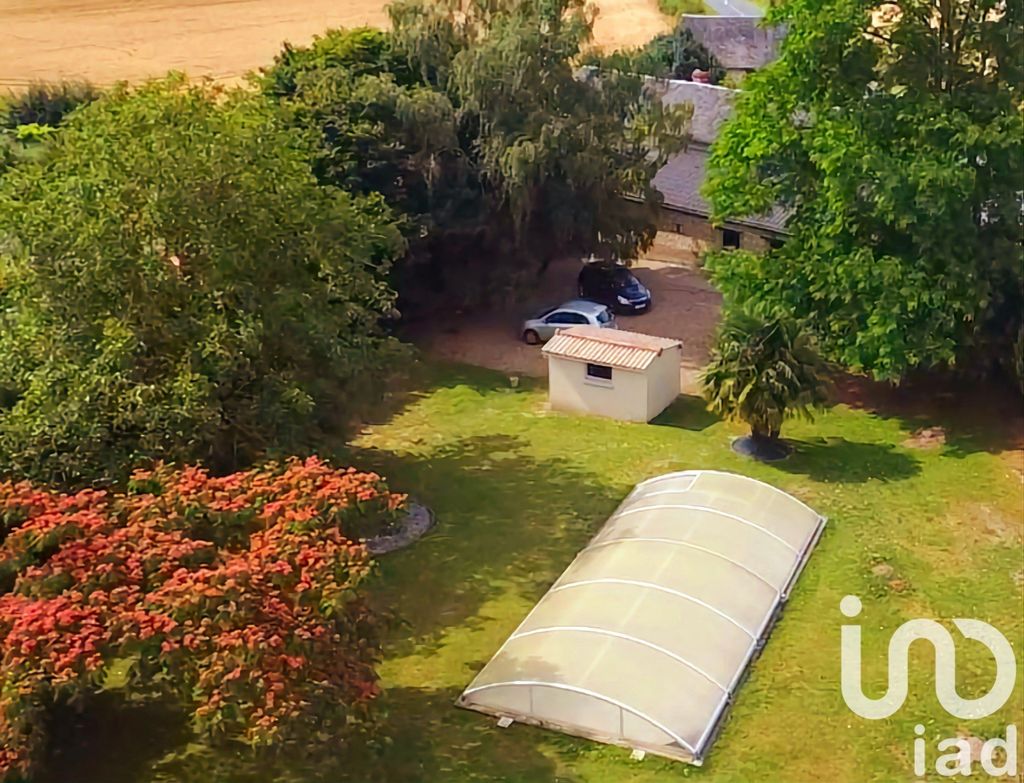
(562, 317)
(623, 278)
(604, 316)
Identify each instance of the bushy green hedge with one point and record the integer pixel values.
(175, 284)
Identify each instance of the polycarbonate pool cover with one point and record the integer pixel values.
(644, 638)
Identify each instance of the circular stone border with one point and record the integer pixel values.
(763, 451)
(418, 520)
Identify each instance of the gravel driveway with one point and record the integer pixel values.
(685, 307)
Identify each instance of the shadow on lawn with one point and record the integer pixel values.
(975, 416)
(688, 412)
(110, 740)
(505, 521)
(838, 459)
(429, 740)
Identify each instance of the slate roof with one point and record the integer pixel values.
(679, 182)
(739, 42)
(711, 104)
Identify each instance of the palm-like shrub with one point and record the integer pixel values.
(763, 371)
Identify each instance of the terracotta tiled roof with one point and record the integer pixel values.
(611, 347)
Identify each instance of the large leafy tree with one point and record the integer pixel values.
(892, 134)
(472, 121)
(176, 284)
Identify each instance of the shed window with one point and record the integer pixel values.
(730, 238)
(599, 372)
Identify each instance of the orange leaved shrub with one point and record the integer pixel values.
(235, 596)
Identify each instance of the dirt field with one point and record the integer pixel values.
(685, 307)
(108, 40)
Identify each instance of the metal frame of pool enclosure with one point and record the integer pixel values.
(644, 639)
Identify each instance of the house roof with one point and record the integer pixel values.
(679, 182)
(738, 42)
(711, 103)
(611, 347)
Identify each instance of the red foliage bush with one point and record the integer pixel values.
(235, 596)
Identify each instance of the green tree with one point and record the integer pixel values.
(893, 139)
(762, 372)
(690, 54)
(667, 56)
(362, 50)
(175, 284)
(499, 157)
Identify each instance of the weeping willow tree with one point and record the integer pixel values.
(472, 121)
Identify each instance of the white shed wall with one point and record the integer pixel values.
(663, 383)
(625, 398)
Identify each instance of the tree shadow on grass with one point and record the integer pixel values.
(840, 460)
(427, 740)
(506, 523)
(688, 412)
(419, 736)
(974, 416)
(111, 740)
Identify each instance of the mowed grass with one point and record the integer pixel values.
(518, 491)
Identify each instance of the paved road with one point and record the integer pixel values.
(734, 7)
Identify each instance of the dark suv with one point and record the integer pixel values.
(613, 285)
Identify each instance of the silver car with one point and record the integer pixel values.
(575, 313)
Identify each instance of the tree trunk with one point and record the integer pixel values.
(765, 436)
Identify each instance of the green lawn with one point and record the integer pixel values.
(518, 491)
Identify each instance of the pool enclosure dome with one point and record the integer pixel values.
(645, 637)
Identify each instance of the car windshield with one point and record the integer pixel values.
(545, 312)
(604, 316)
(623, 278)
